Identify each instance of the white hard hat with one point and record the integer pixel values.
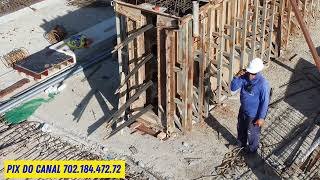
(255, 66)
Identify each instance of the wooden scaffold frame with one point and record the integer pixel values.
(186, 73)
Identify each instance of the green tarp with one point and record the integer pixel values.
(24, 111)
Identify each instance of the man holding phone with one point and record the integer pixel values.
(254, 98)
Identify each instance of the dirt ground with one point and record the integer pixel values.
(77, 114)
(14, 5)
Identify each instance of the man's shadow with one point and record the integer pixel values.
(255, 163)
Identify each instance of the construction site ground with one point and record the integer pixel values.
(78, 113)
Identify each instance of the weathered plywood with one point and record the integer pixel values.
(232, 32)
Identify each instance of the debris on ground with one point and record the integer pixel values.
(55, 89)
(78, 42)
(133, 149)
(231, 160)
(89, 3)
(57, 34)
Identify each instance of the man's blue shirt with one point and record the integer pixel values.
(254, 95)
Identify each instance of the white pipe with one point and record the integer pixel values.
(195, 13)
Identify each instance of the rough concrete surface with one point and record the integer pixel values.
(78, 113)
(27, 29)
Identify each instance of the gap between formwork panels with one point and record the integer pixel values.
(183, 63)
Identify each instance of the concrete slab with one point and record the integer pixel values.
(26, 29)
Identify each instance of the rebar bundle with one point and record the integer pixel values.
(27, 141)
(14, 56)
(174, 7)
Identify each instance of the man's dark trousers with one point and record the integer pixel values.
(248, 132)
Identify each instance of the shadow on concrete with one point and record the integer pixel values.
(80, 19)
(102, 77)
(221, 130)
(255, 162)
(302, 96)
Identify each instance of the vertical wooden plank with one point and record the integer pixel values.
(221, 49)
(174, 56)
(131, 56)
(209, 39)
(232, 40)
(244, 34)
(280, 26)
(228, 22)
(185, 69)
(202, 68)
(161, 76)
(254, 29)
(140, 46)
(239, 6)
(118, 31)
(170, 53)
(272, 9)
(263, 29)
(190, 48)
(179, 62)
(289, 15)
(122, 95)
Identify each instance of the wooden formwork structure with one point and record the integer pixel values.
(163, 63)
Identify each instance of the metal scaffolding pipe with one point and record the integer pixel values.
(54, 80)
(306, 33)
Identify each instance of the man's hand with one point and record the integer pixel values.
(241, 72)
(259, 122)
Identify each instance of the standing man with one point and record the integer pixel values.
(254, 98)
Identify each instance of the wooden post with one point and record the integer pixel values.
(271, 24)
(202, 68)
(232, 39)
(244, 34)
(221, 50)
(306, 34)
(185, 68)
(287, 35)
(210, 22)
(122, 94)
(170, 79)
(254, 29)
(263, 29)
(190, 62)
